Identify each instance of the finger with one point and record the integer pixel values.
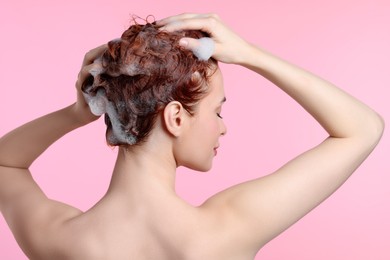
(91, 69)
(203, 24)
(202, 48)
(96, 67)
(93, 54)
(86, 72)
(178, 17)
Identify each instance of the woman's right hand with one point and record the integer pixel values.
(82, 110)
(229, 47)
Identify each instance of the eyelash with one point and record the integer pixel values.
(219, 115)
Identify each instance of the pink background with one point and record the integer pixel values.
(348, 42)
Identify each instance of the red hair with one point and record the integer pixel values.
(144, 70)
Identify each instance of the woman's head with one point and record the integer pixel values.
(141, 73)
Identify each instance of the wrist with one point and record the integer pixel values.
(80, 116)
(249, 55)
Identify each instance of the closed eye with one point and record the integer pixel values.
(220, 106)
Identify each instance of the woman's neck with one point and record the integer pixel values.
(142, 169)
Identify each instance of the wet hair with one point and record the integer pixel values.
(141, 73)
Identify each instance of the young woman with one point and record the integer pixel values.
(162, 108)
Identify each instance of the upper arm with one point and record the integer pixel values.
(265, 207)
(32, 217)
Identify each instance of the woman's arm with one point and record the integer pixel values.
(264, 207)
(340, 114)
(273, 203)
(22, 146)
(34, 219)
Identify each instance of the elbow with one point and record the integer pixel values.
(375, 129)
(381, 127)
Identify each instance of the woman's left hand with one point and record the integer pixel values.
(229, 47)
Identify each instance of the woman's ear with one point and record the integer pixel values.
(174, 118)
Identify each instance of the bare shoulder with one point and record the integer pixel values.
(226, 225)
(265, 207)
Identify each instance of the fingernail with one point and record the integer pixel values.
(183, 42)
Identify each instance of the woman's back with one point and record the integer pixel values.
(162, 228)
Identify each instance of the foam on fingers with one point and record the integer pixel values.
(204, 49)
